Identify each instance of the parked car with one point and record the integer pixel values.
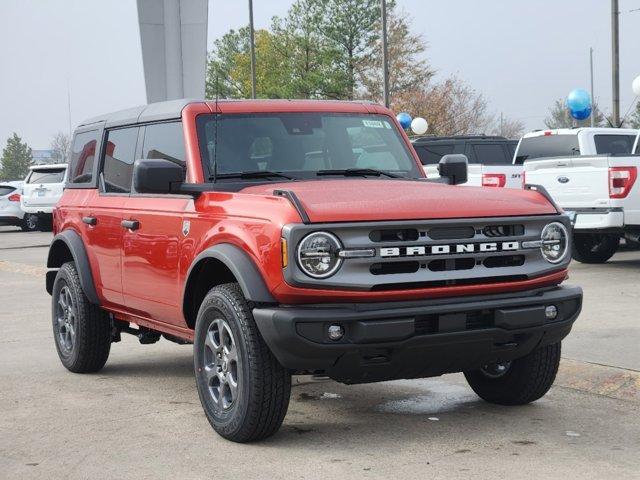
(296, 237)
(490, 158)
(591, 173)
(10, 211)
(41, 191)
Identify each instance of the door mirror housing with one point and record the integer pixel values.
(157, 175)
(454, 169)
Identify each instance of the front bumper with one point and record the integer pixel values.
(393, 340)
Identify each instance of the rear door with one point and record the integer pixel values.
(573, 182)
(151, 244)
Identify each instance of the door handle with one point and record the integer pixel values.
(130, 224)
(90, 220)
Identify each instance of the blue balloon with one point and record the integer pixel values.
(579, 104)
(404, 119)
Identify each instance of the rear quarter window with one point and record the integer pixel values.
(6, 190)
(431, 154)
(491, 154)
(614, 144)
(83, 154)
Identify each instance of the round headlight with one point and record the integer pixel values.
(318, 254)
(555, 242)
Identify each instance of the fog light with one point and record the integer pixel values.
(551, 312)
(336, 332)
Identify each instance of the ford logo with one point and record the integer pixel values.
(563, 179)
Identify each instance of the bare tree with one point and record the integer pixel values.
(60, 146)
(559, 117)
(508, 127)
(451, 107)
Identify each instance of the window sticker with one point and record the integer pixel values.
(372, 123)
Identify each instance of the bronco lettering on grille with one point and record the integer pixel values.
(425, 250)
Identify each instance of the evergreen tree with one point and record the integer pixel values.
(16, 159)
(635, 118)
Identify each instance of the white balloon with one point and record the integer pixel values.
(419, 126)
(635, 86)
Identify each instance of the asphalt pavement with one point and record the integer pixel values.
(140, 416)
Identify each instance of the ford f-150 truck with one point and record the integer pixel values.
(591, 173)
(301, 237)
(490, 158)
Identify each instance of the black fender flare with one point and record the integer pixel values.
(73, 242)
(241, 266)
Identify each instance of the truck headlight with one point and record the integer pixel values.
(554, 242)
(317, 254)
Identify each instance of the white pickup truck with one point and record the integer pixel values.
(490, 158)
(591, 173)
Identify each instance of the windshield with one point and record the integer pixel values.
(299, 145)
(46, 176)
(545, 146)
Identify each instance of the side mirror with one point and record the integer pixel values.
(453, 168)
(156, 175)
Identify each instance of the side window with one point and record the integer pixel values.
(166, 141)
(83, 154)
(431, 154)
(119, 155)
(491, 154)
(614, 144)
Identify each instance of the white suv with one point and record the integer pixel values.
(41, 191)
(10, 211)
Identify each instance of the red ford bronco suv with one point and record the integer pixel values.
(301, 237)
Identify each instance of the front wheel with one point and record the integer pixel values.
(243, 389)
(594, 247)
(519, 381)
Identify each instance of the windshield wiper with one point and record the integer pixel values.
(256, 174)
(357, 172)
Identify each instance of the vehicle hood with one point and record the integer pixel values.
(349, 200)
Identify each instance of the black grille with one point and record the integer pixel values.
(475, 320)
(451, 233)
(394, 268)
(504, 261)
(394, 235)
(447, 283)
(446, 265)
(503, 230)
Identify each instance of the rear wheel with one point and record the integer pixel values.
(594, 247)
(30, 222)
(519, 381)
(81, 330)
(243, 389)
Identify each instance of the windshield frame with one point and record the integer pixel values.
(202, 120)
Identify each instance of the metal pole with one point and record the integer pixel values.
(593, 105)
(253, 51)
(615, 60)
(385, 53)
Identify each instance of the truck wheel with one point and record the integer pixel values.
(243, 389)
(82, 331)
(30, 223)
(520, 381)
(594, 247)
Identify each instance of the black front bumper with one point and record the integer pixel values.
(385, 341)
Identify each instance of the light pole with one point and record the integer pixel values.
(385, 54)
(253, 51)
(615, 62)
(592, 97)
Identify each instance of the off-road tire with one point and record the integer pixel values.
(526, 380)
(594, 247)
(30, 223)
(90, 349)
(264, 386)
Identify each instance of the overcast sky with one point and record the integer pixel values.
(521, 55)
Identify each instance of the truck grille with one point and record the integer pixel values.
(425, 254)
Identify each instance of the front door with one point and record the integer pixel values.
(154, 234)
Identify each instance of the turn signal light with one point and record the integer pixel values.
(621, 179)
(494, 179)
(14, 198)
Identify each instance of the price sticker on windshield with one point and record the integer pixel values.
(372, 123)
